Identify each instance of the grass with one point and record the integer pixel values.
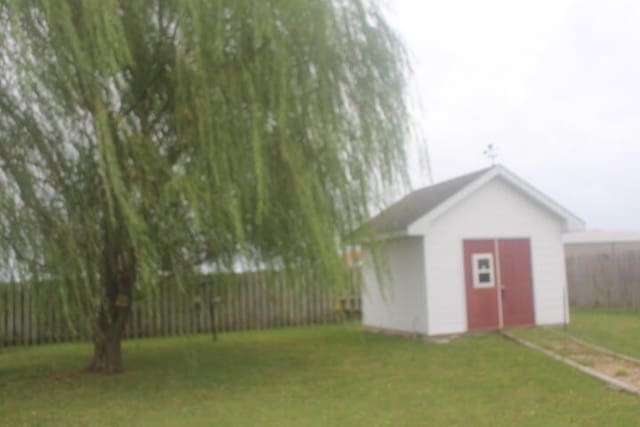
(617, 330)
(314, 376)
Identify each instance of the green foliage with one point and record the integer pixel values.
(140, 139)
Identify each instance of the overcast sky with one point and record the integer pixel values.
(554, 84)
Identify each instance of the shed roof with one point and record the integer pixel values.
(414, 205)
(433, 200)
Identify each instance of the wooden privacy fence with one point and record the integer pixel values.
(251, 301)
(604, 279)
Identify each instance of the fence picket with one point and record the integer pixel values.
(254, 301)
(610, 279)
(3, 311)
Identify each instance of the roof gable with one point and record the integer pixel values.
(404, 212)
(430, 202)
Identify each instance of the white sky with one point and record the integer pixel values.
(554, 84)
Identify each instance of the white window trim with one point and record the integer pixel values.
(477, 271)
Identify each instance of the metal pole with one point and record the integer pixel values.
(212, 313)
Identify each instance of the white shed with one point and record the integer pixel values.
(479, 252)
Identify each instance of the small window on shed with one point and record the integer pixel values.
(483, 276)
(483, 263)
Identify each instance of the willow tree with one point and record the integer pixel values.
(139, 139)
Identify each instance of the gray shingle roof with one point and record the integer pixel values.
(413, 206)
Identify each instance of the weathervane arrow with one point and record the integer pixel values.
(491, 153)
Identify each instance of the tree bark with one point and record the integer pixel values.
(107, 343)
(107, 355)
(118, 277)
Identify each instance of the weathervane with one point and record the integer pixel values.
(491, 153)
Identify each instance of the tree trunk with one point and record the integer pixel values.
(118, 276)
(107, 355)
(107, 343)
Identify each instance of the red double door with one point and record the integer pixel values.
(498, 283)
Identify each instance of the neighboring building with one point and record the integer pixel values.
(595, 242)
(479, 252)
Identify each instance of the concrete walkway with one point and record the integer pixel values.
(618, 370)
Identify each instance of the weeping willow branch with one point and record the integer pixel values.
(139, 139)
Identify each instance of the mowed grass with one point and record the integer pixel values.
(618, 330)
(313, 376)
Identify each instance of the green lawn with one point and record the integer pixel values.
(618, 330)
(318, 376)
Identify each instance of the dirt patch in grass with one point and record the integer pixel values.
(609, 364)
(612, 366)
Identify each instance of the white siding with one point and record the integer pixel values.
(400, 303)
(496, 210)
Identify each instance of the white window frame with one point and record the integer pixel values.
(477, 271)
